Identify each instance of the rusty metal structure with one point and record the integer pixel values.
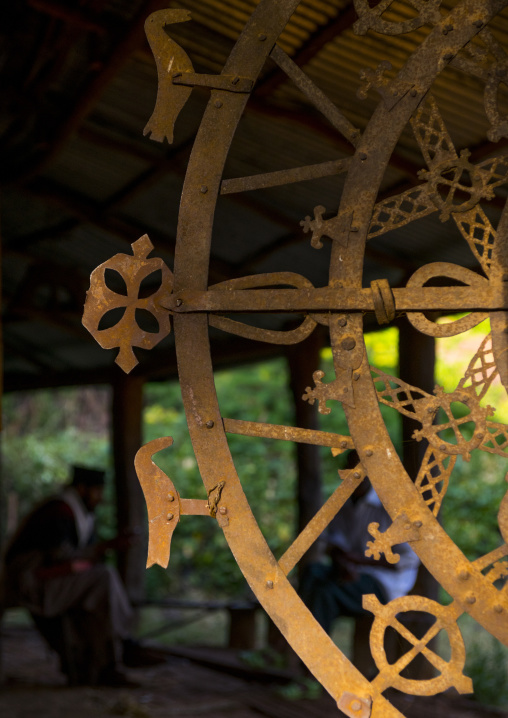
(450, 185)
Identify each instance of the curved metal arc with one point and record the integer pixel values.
(383, 465)
(242, 533)
(253, 556)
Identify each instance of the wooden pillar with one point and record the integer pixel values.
(417, 356)
(303, 360)
(130, 503)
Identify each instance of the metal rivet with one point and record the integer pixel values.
(342, 321)
(369, 452)
(442, 447)
(356, 705)
(356, 475)
(471, 599)
(209, 424)
(356, 376)
(478, 23)
(177, 74)
(355, 134)
(179, 302)
(448, 56)
(395, 93)
(407, 526)
(235, 80)
(223, 510)
(204, 189)
(353, 229)
(345, 390)
(413, 92)
(430, 410)
(170, 517)
(269, 584)
(480, 435)
(218, 104)
(262, 36)
(343, 444)
(418, 524)
(363, 155)
(463, 575)
(348, 343)
(498, 608)
(171, 497)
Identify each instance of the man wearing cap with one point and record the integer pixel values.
(53, 568)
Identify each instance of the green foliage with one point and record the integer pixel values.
(487, 665)
(200, 559)
(45, 433)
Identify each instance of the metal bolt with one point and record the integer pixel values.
(348, 343)
(170, 517)
(210, 424)
(356, 376)
(235, 80)
(471, 599)
(447, 29)
(478, 23)
(204, 189)
(342, 322)
(498, 608)
(262, 36)
(269, 584)
(223, 510)
(356, 706)
(343, 444)
(218, 104)
(413, 92)
(442, 447)
(430, 410)
(179, 302)
(355, 134)
(363, 155)
(448, 56)
(171, 497)
(418, 524)
(356, 475)
(407, 526)
(480, 435)
(177, 74)
(353, 229)
(369, 452)
(463, 575)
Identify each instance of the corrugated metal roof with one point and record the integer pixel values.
(84, 181)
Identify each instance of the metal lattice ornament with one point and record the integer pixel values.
(193, 305)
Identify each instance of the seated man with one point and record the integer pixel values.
(336, 588)
(53, 568)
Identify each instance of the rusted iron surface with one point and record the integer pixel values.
(449, 185)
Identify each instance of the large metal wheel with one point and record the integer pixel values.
(413, 506)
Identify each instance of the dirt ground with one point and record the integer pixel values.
(33, 687)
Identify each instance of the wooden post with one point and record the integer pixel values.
(417, 356)
(131, 514)
(303, 361)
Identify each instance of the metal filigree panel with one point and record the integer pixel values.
(452, 186)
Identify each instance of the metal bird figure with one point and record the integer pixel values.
(169, 59)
